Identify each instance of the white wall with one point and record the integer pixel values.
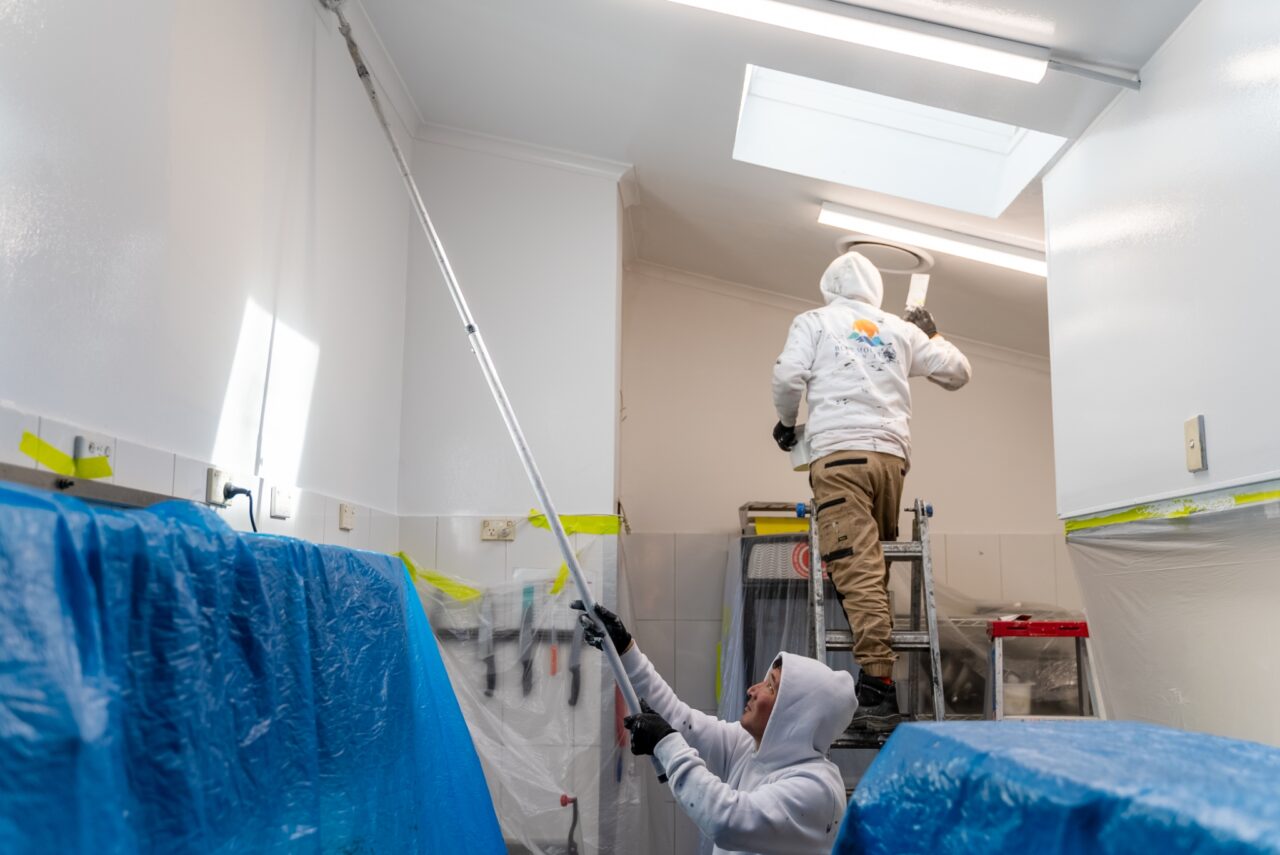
(533, 238)
(698, 414)
(164, 168)
(1161, 301)
(1162, 294)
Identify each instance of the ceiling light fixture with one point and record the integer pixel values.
(895, 33)
(939, 240)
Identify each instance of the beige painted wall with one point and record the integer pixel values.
(697, 356)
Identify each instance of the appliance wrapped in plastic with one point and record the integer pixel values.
(169, 685)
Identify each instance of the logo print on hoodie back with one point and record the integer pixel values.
(867, 343)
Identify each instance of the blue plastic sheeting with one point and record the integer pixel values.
(1046, 787)
(168, 685)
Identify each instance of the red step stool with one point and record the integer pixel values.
(1086, 679)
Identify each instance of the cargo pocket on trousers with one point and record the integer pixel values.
(835, 529)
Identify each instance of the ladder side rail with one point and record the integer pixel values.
(817, 596)
(931, 612)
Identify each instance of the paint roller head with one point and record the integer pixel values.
(332, 5)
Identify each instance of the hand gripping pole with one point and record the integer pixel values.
(487, 367)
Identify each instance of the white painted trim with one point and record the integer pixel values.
(527, 152)
(733, 290)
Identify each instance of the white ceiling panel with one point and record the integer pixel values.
(659, 85)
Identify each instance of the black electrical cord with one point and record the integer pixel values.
(230, 491)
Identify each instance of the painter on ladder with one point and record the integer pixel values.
(853, 360)
(762, 784)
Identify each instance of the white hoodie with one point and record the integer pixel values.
(854, 359)
(786, 797)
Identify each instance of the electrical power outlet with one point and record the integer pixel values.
(499, 529)
(281, 503)
(214, 487)
(346, 517)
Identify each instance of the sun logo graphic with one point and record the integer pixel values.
(866, 332)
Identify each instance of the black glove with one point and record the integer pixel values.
(920, 316)
(647, 729)
(784, 436)
(591, 633)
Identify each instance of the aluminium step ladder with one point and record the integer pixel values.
(918, 639)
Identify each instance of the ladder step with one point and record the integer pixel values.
(861, 739)
(902, 550)
(898, 640)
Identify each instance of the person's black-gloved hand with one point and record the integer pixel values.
(591, 633)
(647, 729)
(784, 436)
(920, 316)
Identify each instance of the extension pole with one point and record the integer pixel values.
(487, 366)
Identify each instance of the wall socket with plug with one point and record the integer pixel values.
(499, 529)
(215, 487)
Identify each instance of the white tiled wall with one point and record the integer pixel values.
(973, 565)
(139, 467)
(13, 424)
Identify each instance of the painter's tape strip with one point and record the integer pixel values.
(46, 455)
(448, 586)
(561, 578)
(60, 462)
(580, 523)
(1172, 510)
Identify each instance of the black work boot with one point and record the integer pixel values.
(877, 704)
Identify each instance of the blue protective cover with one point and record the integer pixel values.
(168, 685)
(1047, 787)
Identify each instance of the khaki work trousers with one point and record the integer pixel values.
(858, 496)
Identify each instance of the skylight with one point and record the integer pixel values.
(861, 139)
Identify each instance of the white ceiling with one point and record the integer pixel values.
(658, 85)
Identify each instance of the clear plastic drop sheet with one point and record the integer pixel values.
(1183, 617)
(542, 708)
(766, 609)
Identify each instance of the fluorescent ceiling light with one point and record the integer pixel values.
(863, 139)
(938, 240)
(893, 33)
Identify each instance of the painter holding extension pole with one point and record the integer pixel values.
(486, 362)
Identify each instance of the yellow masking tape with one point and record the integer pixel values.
(561, 578)
(579, 523)
(46, 455)
(448, 586)
(780, 525)
(93, 467)
(60, 462)
(1172, 510)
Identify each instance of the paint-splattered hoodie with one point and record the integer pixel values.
(854, 358)
(786, 797)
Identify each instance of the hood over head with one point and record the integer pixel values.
(813, 707)
(853, 277)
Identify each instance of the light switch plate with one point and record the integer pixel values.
(500, 529)
(281, 503)
(1193, 443)
(346, 517)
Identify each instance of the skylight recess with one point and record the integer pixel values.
(862, 139)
